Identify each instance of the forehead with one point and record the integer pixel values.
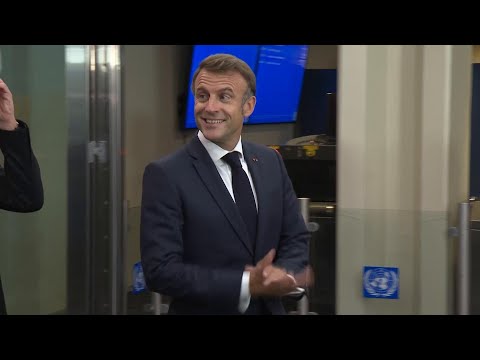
(216, 81)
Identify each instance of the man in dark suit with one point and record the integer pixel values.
(198, 245)
(21, 187)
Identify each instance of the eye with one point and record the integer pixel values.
(202, 97)
(225, 97)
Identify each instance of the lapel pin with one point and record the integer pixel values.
(255, 158)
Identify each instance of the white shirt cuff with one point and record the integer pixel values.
(244, 292)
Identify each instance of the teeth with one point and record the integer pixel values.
(214, 121)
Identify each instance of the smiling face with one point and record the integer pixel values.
(221, 106)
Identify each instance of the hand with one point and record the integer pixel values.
(7, 112)
(303, 279)
(269, 280)
(274, 274)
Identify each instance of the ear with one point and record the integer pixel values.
(249, 106)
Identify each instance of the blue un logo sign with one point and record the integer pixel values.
(138, 279)
(380, 282)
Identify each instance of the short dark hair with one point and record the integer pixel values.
(223, 63)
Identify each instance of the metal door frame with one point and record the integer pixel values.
(95, 182)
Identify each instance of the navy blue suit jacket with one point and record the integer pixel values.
(21, 188)
(194, 244)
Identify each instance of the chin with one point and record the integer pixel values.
(212, 134)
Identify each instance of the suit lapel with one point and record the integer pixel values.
(209, 175)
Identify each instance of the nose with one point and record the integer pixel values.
(212, 104)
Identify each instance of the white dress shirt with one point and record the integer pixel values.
(216, 153)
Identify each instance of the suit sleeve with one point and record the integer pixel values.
(161, 246)
(293, 249)
(21, 188)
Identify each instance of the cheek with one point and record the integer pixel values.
(238, 113)
(197, 107)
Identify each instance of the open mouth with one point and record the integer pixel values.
(212, 121)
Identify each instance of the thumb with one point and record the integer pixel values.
(267, 259)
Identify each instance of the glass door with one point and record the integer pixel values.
(65, 258)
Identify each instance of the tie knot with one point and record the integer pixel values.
(233, 159)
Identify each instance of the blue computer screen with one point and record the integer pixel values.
(279, 70)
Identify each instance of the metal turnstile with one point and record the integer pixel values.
(321, 222)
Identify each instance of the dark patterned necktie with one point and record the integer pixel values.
(243, 194)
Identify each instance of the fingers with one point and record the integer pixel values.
(5, 92)
(294, 281)
(7, 112)
(3, 86)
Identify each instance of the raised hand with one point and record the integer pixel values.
(7, 111)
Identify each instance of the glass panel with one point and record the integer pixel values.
(33, 247)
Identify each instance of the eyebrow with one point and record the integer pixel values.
(229, 89)
(225, 89)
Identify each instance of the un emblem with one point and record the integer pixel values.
(138, 279)
(380, 282)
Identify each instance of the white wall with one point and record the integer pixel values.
(402, 170)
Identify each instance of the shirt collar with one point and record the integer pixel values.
(215, 151)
